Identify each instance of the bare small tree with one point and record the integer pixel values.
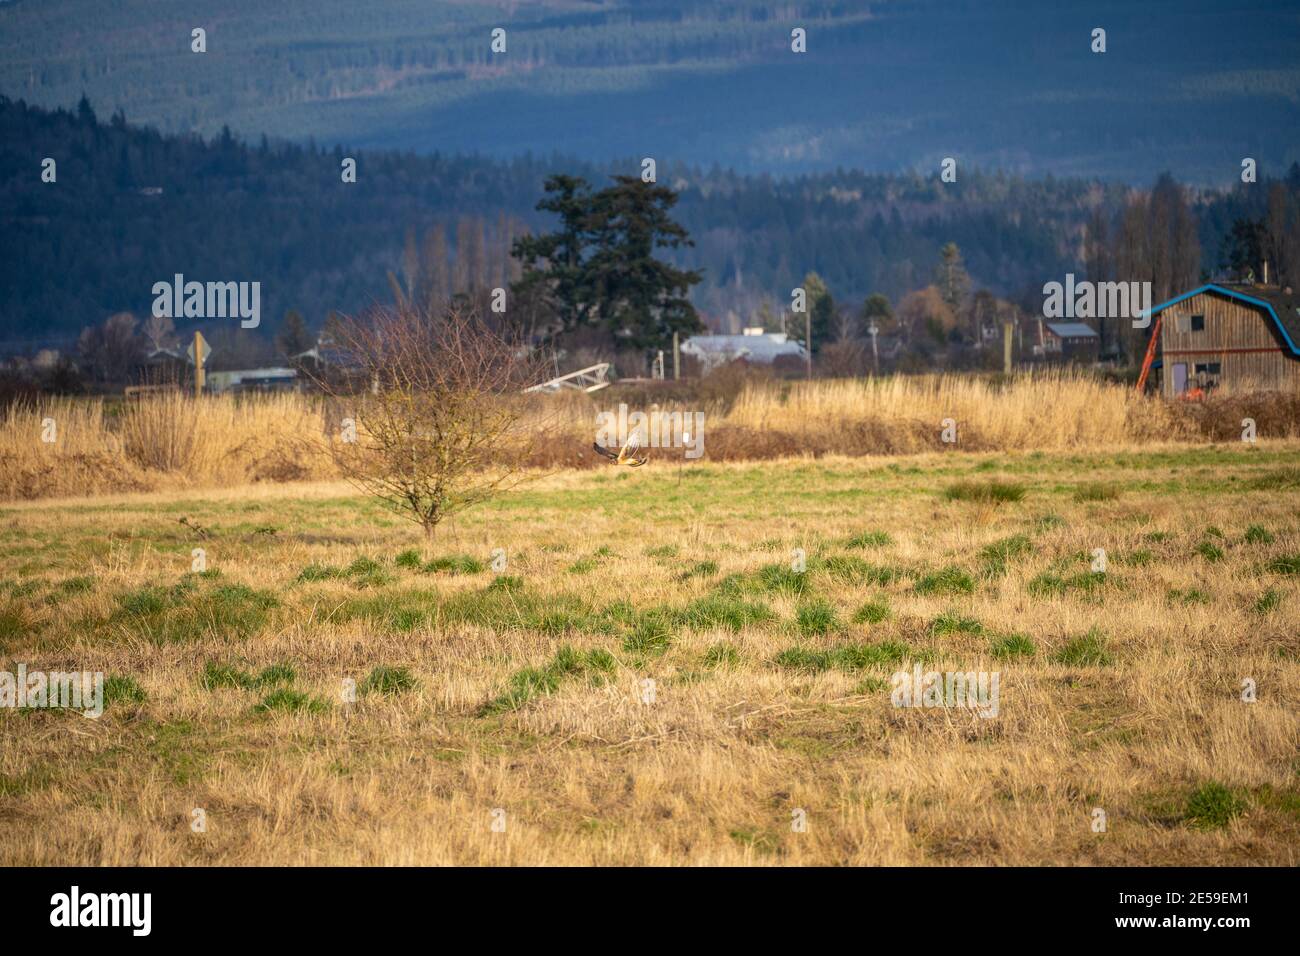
(112, 350)
(160, 331)
(435, 407)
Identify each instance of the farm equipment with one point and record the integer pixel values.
(1151, 354)
(590, 379)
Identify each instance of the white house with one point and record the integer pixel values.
(754, 346)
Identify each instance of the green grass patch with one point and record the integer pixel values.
(946, 581)
(762, 842)
(1011, 646)
(780, 578)
(815, 618)
(186, 612)
(567, 665)
(455, 564)
(873, 612)
(1188, 596)
(388, 681)
(1268, 602)
(998, 555)
(409, 559)
(1049, 584)
(721, 654)
(1212, 806)
(724, 611)
(1210, 551)
(869, 539)
(123, 690)
(225, 675)
(289, 701)
(847, 657)
(1137, 558)
(951, 622)
(700, 569)
(1258, 534)
(319, 572)
(1285, 564)
(991, 491)
(15, 622)
(363, 565)
(1276, 480)
(651, 633)
(850, 569)
(496, 608)
(1096, 491)
(1089, 650)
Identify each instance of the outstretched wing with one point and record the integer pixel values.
(604, 451)
(627, 453)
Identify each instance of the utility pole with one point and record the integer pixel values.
(807, 337)
(875, 352)
(1007, 327)
(199, 354)
(676, 358)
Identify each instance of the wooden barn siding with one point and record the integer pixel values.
(1228, 325)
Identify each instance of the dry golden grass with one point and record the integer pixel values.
(172, 442)
(167, 441)
(734, 742)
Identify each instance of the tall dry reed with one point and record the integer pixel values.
(165, 441)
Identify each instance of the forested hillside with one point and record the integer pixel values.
(131, 207)
(887, 86)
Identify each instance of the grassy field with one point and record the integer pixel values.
(518, 697)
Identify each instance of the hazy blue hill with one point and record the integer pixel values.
(1186, 85)
(132, 207)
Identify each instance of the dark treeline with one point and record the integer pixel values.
(132, 207)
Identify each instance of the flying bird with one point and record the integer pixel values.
(626, 455)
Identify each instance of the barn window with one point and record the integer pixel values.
(1209, 368)
(1198, 323)
(1180, 323)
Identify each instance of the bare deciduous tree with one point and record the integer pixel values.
(160, 331)
(112, 350)
(436, 408)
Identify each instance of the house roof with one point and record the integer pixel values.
(1071, 330)
(1282, 308)
(759, 347)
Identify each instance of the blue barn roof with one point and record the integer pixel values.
(1282, 307)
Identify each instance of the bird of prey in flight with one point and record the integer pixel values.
(626, 455)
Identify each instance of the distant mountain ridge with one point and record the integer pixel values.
(1189, 86)
(132, 207)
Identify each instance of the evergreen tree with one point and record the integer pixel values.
(562, 285)
(877, 310)
(294, 338)
(642, 300)
(821, 313)
(600, 267)
(951, 277)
